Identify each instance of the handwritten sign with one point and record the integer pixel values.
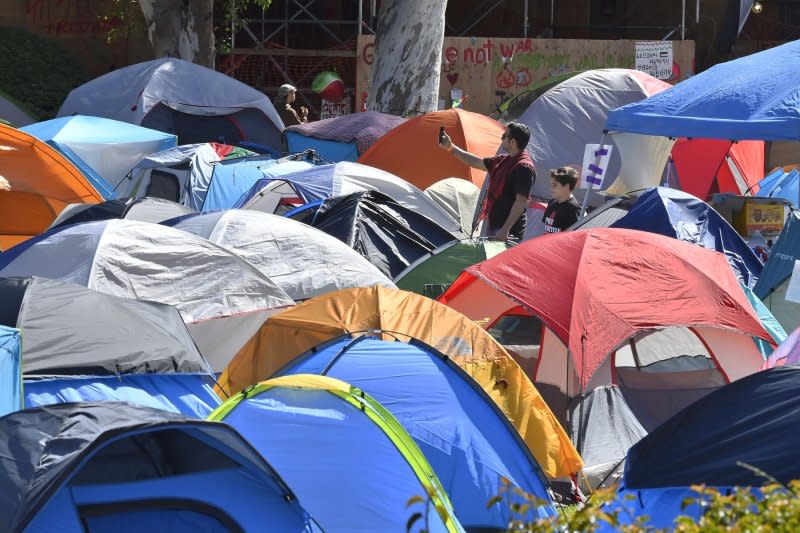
(655, 58)
(336, 109)
(595, 163)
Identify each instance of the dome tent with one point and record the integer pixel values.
(116, 467)
(175, 96)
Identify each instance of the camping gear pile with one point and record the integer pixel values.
(306, 319)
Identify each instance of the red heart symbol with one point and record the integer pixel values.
(452, 78)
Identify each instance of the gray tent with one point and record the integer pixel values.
(143, 209)
(71, 330)
(191, 101)
(116, 467)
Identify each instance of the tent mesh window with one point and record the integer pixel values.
(152, 455)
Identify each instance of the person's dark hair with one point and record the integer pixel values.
(519, 132)
(565, 176)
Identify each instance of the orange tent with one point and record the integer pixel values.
(404, 315)
(410, 150)
(42, 182)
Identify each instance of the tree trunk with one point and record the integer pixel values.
(181, 28)
(408, 56)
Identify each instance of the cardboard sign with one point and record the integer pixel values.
(655, 58)
(595, 163)
(336, 109)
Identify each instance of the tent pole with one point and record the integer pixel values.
(361, 15)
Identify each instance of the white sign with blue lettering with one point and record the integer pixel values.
(595, 163)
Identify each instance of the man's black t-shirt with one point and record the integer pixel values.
(560, 215)
(520, 181)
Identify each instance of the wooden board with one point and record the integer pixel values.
(488, 71)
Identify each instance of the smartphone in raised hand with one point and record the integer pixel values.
(441, 135)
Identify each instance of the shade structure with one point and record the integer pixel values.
(222, 298)
(191, 101)
(10, 370)
(408, 316)
(431, 275)
(42, 182)
(752, 97)
(303, 261)
(143, 209)
(104, 150)
(342, 138)
(458, 198)
(411, 152)
(340, 179)
(387, 234)
(331, 441)
(119, 467)
(711, 441)
(597, 311)
(465, 438)
(173, 174)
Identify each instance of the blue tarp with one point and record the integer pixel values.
(311, 184)
(780, 184)
(187, 394)
(685, 217)
(755, 97)
(331, 151)
(752, 421)
(115, 146)
(233, 179)
(10, 370)
(466, 439)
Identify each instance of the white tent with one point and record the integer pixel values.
(458, 198)
(302, 260)
(222, 298)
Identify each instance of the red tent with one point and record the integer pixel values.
(706, 166)
(595, 289)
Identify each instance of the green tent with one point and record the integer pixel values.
(432, 274)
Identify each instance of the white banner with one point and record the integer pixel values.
(336, 109)
(793, 289)
(655, 58)
(595, 163)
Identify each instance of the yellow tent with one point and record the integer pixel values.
(404, 315)
(38, 182)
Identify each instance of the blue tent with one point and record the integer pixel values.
(10, 370)
(685, 217)
(781, 184)
(120, 468)
(752, 421)
(466, 439)
(104, 150)
(777, 273)
(332, 443)
(753, 97)
(341, 138)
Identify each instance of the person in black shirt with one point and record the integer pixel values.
(511, 178)
(563, 210)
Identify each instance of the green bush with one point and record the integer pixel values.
(36, 72)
